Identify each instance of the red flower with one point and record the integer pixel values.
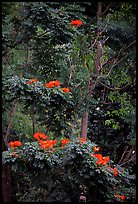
(101, 160)
(82, 140)
(76, 22)
(96, 149)
(122, 197)
(32, 81)
(98, 156)
(11, 144)
(119, 196)
(116, 172)
(52, 84)
(64, 141)
(65, 89)
(47, 143)
(17, 143)
(39, 135)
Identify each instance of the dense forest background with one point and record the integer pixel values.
(95, 65)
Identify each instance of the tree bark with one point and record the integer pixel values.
(6, 183)
(90, 86)
(84, 124)
(15, 102)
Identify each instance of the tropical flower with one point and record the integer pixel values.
(32, 81)
(65, 89)
(52, 84)
(15, 144)
(100, 159)
(119, 196)
(39, 135)
(115, 171)
(76, 22)
(83, 140)
(47, 143)
(64, 142)
(122, 197)
(11, 144)
(96, 149)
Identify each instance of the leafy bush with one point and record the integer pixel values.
(69, 170)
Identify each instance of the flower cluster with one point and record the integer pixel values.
(39, 136)
(47, 144)
(122, 197)
(103, 161)
(52, 84)
(83, 140)
(96, 149)
(15, 144)
(76, 22)
(64, 142)
(65, 89)
(100, 159)
(115, 170)
(32, 81)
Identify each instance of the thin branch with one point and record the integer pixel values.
(123, 155)
(15, 102)
(113, 89)
(106, 10)
(115, 63)
(131, 159)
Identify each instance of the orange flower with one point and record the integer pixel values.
(29, 82)
(76, 22)
(119, 196)
(98, 156)
(32, 81)
(82, 140)
(64, 141)
(101, 160)
(122, 197)
(47, 143)
(39, 135)
(116, 172)
(96, 149)
(52, 84)
(105, 160)
(17, 143)
(65, 89)
(11, 144)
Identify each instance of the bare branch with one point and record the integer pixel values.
(113, 89)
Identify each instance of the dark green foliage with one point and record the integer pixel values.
(64, 171)
(53, 102)
(39, 42)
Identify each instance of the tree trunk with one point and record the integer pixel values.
(84, 124)
(6, 183)
(15, 102)
(90, 86)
